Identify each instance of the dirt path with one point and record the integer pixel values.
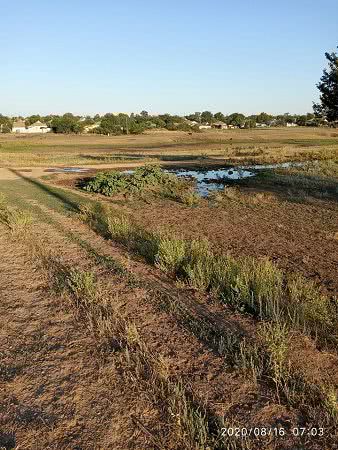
(54, 394)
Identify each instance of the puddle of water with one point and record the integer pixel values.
(205, 177)
(67, 170)
(208, 180)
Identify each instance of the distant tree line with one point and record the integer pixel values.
(116, 124)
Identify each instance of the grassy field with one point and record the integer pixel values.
(142, 316)
(231, 145)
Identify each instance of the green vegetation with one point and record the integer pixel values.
(253, 286)
(111, 183)
(17, 220)
(328, 87)
(145, 180)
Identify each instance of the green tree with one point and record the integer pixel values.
(5, 124)
(236, 119)
(110, 124)
(301, 120)
(220, 116)
(328, 87)
(263, 118)
(250, 123)
(32, 119)
(207, 117)
(66, 124)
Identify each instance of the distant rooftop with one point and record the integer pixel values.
(19, 124)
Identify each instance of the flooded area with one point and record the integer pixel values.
(67, 170)
(208, 180)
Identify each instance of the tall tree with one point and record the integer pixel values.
(236, 119)
(263, 117)
(206, 117)
(220, 116)
(328, 87)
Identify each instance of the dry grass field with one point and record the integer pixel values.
(280, 144)
(136, 314)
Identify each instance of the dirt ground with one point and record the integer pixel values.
(56, 390)
(60, 390)
(299, 235)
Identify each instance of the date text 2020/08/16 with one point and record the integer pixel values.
(242, 432)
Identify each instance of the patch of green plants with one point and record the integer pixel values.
(143, 181)
(17, 220)
(254, 286)
(111, 183)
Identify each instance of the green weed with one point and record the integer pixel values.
(17, 220)
(170, 254)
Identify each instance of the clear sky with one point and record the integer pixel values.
(163, 56)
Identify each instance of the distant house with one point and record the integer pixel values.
(261, 125)
(220, 125)
(291, 124)
(204, 127)
(37, 127)
(19, 127)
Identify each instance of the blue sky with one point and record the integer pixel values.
(178, 56)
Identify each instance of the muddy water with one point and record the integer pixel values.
(208, 180)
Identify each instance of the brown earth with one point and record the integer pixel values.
(300, 236)
(57, 392)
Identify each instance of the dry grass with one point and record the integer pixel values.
(252, 286)
(17, 220)
(271, 145)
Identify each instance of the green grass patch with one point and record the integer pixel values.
(254, 286)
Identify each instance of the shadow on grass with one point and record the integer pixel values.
(63, 198)
(7, 440)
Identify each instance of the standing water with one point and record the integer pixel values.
(205, 177)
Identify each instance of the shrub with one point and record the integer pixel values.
(81, 285)
(107, 183)
(171, 254)
(145, 179)
(308, 309)
(17, 220)
(120, 229)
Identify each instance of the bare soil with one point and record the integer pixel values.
(298, 235)
(57, 390)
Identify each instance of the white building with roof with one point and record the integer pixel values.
(37, 127)
(19, 127)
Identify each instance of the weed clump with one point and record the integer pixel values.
(143, 181)
(254, 286)
(17, 220)
(111, 183)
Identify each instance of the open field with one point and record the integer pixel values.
(137, 315)
(269, 145)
